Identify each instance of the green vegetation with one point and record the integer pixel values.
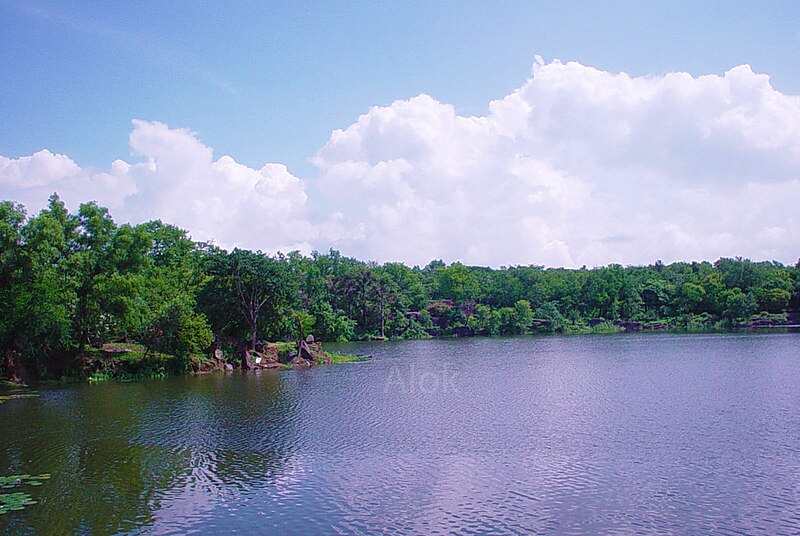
(18, 500)
(73, 284)
(345, 358)
(15, 396)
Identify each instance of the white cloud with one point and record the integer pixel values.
(577, 166)
(39, 169)
(178, 181)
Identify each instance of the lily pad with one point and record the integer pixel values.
(6, 398)
(15, 501)
(18, 500)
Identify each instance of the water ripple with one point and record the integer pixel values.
(558, 435)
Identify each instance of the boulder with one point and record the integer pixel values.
(628, 326)
(463, 331)
(658, 326)
(299, 362)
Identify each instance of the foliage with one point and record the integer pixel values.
(550, 313)
(71, 282)
(16, 396)
(18, 500)
(180, 331)
(345, 358)
(248, 289)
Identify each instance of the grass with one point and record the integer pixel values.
(6, 398)
(7, 383)
(128, 362)
(119, 351)
(285, 347)
(345, 358)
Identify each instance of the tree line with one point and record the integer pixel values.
(72, 280)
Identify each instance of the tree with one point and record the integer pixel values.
(248, 288)
(456, 283)
(523, 316)
(181, 331)
(549, 311)
(737, 305)
(485, 320)
(503, 288)
(774, 290)
(40, 297)
(89, 262)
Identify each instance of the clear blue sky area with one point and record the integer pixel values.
(268, 81)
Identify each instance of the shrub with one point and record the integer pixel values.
(179, 331)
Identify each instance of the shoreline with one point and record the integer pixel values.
(133, 372)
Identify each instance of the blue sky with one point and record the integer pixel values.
(269, 81)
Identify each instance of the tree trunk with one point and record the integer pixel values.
(15, 371)
(246, 363)
(383, 319)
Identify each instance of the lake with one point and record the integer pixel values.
(639, 433)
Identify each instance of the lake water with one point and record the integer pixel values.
(559, 435)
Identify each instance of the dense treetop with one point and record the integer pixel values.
(71, 280)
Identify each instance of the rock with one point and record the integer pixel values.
(228, 366)
(304, 351)
(247, 360)
(658, 326)
(299, 362)
(463, 331)
(271, 350)
(629, 326)
(772, 322)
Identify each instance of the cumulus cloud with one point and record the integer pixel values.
(39, 169)
(178, 181)
(576, 166)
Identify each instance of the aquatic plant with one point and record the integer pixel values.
(346, 358)
(18, 500)
(6, 398)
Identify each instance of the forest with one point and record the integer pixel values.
(73, 282)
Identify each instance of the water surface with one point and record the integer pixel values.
(625, 433)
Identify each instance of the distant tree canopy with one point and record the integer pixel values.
(71, 280)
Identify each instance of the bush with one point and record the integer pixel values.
(549, 311)
(179, 331)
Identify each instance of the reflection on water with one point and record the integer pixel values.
(634, 434)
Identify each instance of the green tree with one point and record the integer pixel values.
(248, 289)
(549, 311)
(181, 331)
(523, 316)
(37, 324)
(738, 305)
(456, 283)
